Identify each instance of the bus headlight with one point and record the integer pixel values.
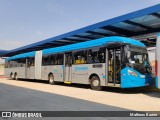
(130, 72)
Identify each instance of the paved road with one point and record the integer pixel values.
(39, 96)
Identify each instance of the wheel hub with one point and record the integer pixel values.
(51, 79)
(95, 82)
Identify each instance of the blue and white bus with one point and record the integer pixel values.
(110, 61)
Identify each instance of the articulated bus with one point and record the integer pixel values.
(110, 61)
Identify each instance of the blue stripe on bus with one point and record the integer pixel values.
(92, 43)
(29, 54)
(158, 34)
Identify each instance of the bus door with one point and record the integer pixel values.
(68, 67)
(30, 68)
(114, 66)
(27, 71)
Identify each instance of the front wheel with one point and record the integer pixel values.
(95, 83)
(51, 79)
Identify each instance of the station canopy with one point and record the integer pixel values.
(142, 25)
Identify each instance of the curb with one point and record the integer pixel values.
(2, 76)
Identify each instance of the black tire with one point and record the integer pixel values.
(11, 76)
(15, 76)
(95, 83)
(51, 79)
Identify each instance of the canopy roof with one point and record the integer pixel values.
(142, 25)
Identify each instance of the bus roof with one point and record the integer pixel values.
(135, 24)
(24, 55)
(93, 43)
(83, 45)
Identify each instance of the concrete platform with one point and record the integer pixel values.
(29, 95)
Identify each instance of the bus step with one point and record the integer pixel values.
(67, 82)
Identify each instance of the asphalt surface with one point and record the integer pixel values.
(13, 98)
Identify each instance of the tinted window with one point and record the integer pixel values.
(32, 61)
(96, 55)
(59, 59)
(80, 57)
(45, 60)
(23, 62)
(13, 63)
(18, 63)
(56, 59)
(52, 60)
(7, 64)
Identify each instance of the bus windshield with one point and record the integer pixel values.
(137, 55)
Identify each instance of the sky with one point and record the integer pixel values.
(23, 22)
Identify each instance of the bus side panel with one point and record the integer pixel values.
(56, 70)
(82, 72)
(19, 70)
(158, 61)
(31, 72)
(7, 72)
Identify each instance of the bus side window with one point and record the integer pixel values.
(7, 64)
(52, 60)
(101, 55)
(32, 61)
(67, 62)
(28, 62)
(95, 57)
(11, 64)
(14, 63)
(23, 62)
(89, 57)
(45, 60)
(59, 59)
(18, 62)
(80, 57)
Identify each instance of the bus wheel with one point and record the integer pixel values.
(51, 79)
(15, 76)
(95, 83)
(11, 76)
